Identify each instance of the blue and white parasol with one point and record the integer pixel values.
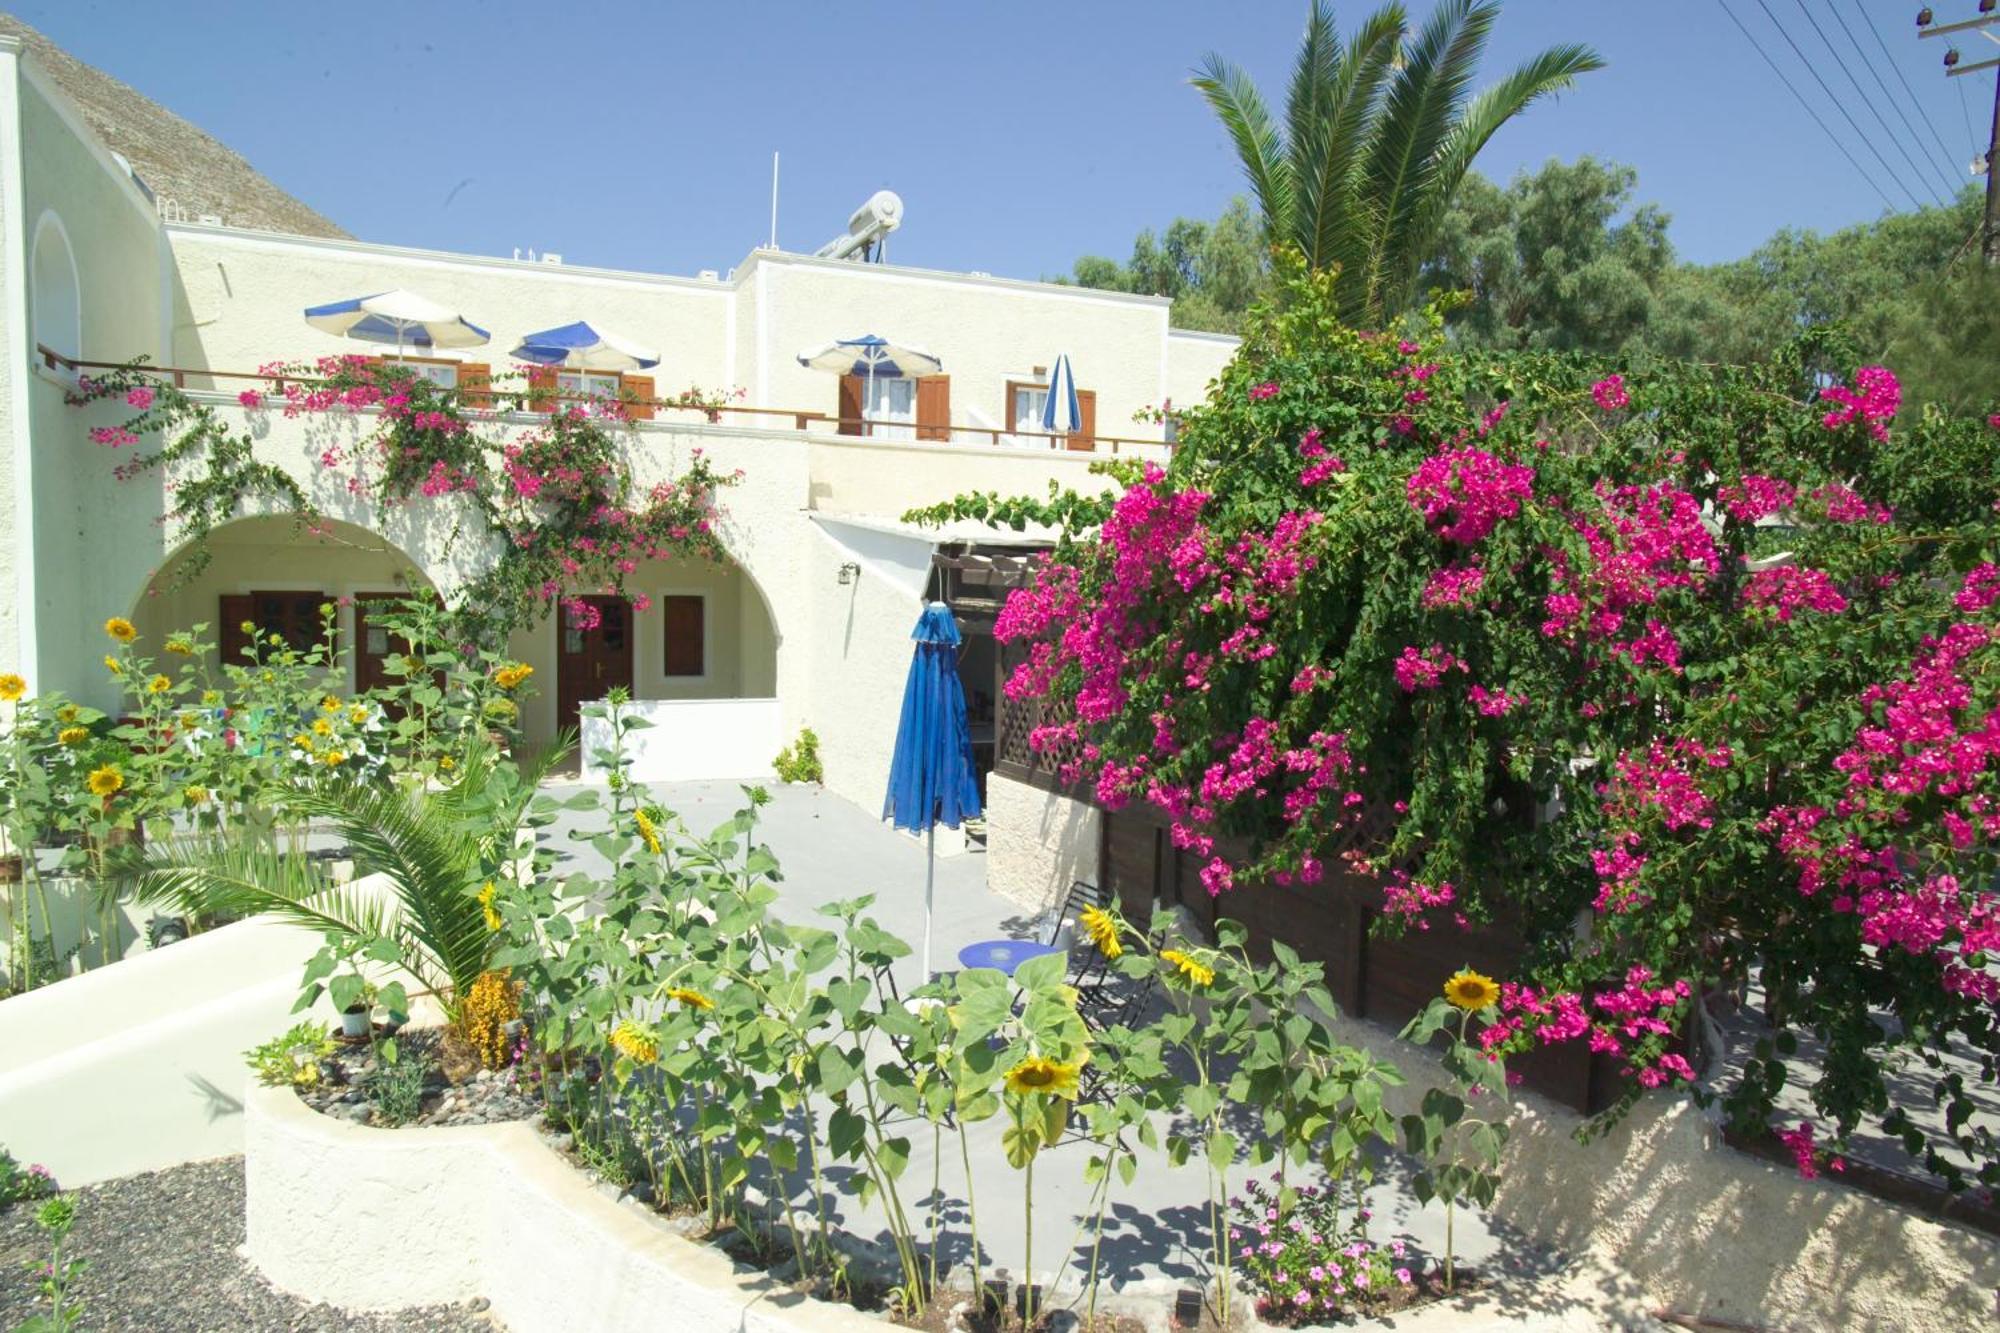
(579, 346)
(398, 317)
(870, 356)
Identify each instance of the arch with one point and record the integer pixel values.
(55, 288)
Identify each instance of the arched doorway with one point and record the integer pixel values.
(55, 291)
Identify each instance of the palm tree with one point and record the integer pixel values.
(1377, 137)
(433, 850)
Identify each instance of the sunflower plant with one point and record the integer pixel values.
(1459, 1129)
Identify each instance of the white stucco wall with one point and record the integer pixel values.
(1038, 842)
(1194, 359)
(485, 1211)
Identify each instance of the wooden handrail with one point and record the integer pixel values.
(802, 419)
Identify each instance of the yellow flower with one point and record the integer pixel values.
(12, 686)
(304, 742)
(73, 735)
(334, 758)
(1036, 1074)
(357, 715)
(648, 831)
(446, 763)
(121, 629)
(188, 721)
(113, 665)
(268, 676)
(329, 705)
(68, 713)
(486, 894)
(159, 685)
(1470, 990)
(1192, 968)
(179, 646)
(211, 698)
(511, 675)
(248, 627)
(196, 795)
(693, 999)
(106, 781)
(1102, 929)
(635, 1043)
(322, 727)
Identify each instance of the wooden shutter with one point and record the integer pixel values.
(637, 391)
(475, 382)
(851, 391)
(934, 407)
(233, 612)
(542, 389)
(1086, 408)
(686, 650)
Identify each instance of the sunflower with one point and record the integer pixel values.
(105, 781)
(1102, 929)
(648, 831)
(159, 685)
(329, 705)
(1470, 990)
(195, 795)
(12, 686)
(322, 727)
(446, 763)
(357, 715)
(248, 627)
(73, 735)
(180, 647)
(693, 999)
(67, 713)
(510, 676)
(486, 895)
(635, 1043)
(1036, 1074)
(211, 698)
(1197, 972)
(113, 665)
(334, 758)
(121, 629)
(275, 639)
(303, 742)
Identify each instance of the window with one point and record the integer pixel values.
(894, 411)
(685, 616)
(292, 616)
(442, 373)
(1029, 402)
(588, 383)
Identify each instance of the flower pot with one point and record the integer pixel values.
(354, 1022)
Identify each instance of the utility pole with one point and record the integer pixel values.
(1954, 68)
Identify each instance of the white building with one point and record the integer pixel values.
(808, 624)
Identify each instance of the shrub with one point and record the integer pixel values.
(396, 1088)
(799, 761)
(291, 1059)
(23, 1184)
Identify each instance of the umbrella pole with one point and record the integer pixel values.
(930, 885)
(868, 403)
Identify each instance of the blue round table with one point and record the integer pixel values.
(1006, 955)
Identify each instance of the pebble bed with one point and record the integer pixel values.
(485, 1098)
(162, 1253)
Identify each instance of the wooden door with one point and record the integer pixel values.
(592, 662)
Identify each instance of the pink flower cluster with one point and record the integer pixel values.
(112, 437)
(1494, 703)
(1609, 393)
(140, 398)
(1786, 589)
(1409, 899)
(1464, 493)
(1753, 497)
(1799, 1142)
(1422, 669)
(1873, 400)
(1452, 585)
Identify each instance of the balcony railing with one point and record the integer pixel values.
(801, 419)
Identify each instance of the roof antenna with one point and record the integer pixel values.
(774, 199)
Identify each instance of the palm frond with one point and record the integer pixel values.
(1421, 106)
(1344, 136)
(211, 877)
(1259, 146)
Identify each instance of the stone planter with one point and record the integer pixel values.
(486, 1210)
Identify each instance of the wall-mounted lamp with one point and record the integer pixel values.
(848, 573)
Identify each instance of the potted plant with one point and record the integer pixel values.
(357, 1004)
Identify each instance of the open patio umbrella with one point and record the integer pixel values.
(1060, 411)
(931, 778)
(398, 317)
(578, 346)
(870, 356)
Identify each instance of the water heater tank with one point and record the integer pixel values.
(882, 213)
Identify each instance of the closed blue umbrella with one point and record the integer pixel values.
(1061, 413)
(931, 778)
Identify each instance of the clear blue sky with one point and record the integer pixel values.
(1020, 135)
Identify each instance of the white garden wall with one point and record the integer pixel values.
(1038, 842)
(447, 1215)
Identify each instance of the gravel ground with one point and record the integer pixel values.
(163, 1258)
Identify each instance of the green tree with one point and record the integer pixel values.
(1213, 271)
(1377, 137)
(1558, 259)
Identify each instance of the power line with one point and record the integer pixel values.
(1966, 107)
(1837, 106)
(1916, 101)
(1869, 102)
(1950, 181)
(1832, 138)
